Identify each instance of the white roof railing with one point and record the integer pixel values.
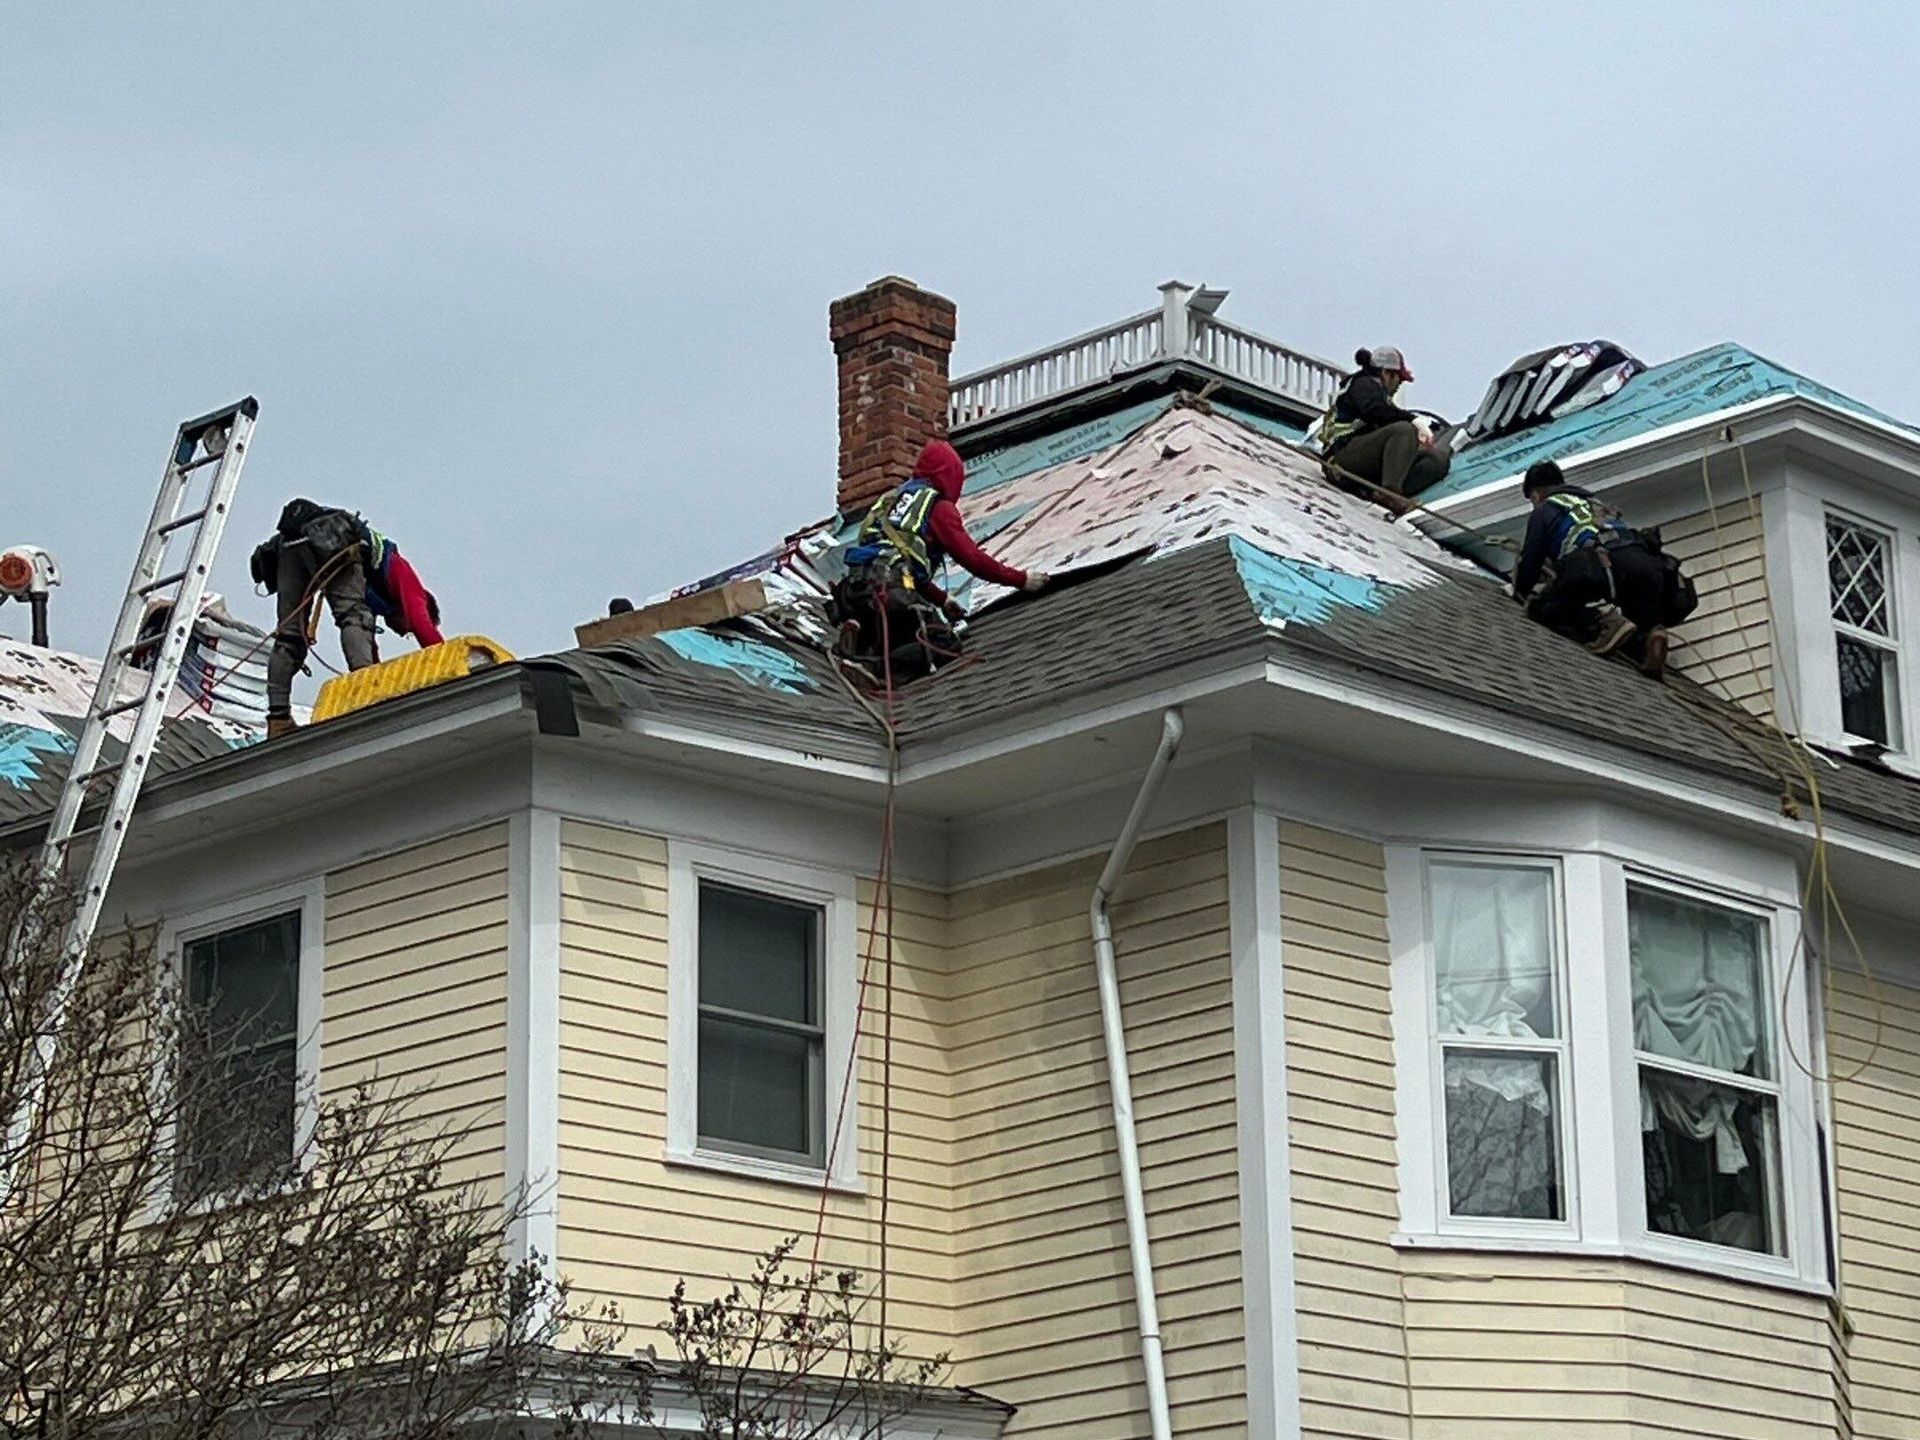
(1183, 328)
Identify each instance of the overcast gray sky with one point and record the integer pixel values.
(542, 289)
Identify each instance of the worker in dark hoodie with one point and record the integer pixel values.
(1579, 557)
(906, 538)
(1366, 434)
(317, 550)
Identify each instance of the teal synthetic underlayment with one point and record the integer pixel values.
(1265, 424)
(753, 662)
(21, 749)
(1010, 462)
(1284, 590)
(1685, 389)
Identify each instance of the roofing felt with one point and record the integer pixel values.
(1688, 388)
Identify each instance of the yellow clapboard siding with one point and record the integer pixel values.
(415, 986)
(1726, 644)
(1874, 1037)
(632, 1225)
(1042, 1289)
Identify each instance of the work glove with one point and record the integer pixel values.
(953, 609)
(1036, 580)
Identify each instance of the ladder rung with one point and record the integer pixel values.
(87, 777)
(123, 707)
(162, 583)
(196, 464)
(185, 520)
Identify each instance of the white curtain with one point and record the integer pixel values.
(1696, 996)
(1493, 953)
(1493, 962)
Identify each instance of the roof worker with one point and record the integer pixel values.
(907, 536)
(1596, 558)
(1369, 436)
(317, 551)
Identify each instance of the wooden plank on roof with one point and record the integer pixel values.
(703, 607)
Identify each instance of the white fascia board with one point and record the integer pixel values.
(1905, 442)
(668, 732)
(1659, 785)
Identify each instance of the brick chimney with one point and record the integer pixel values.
(891, 340)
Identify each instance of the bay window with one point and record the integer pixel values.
(1594, 1055)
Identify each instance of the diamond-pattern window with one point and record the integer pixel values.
(1857, 560)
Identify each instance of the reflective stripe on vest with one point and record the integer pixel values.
(1585, 518)
(1331, 430)
(899, 518)
(378, 547)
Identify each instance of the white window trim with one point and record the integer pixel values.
(687, 865)
(1898, 741)
(1440, 1220)
(1604, 1185)
(308, 897)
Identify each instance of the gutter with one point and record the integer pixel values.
(1120, 1084)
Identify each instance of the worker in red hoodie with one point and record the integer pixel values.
(907, 536)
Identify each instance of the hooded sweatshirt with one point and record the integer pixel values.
(940, 466)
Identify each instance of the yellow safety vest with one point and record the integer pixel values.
(899, 519)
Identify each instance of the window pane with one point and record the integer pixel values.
(1502, 1135)
(236, 1120)
(1857, 577)
(760, 1088)
(1866, 687)
(759, 955)
(1712, 1156)
(1493, 950)
(1699, 987)
(247, 981)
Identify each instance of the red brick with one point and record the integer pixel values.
(891, 342)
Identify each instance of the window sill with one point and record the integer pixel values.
(753, 1167)
(1778, 1276)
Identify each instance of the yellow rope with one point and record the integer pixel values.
(1799, 766)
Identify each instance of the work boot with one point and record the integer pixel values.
(1615, 631)
(278, 725)
(1653, 656)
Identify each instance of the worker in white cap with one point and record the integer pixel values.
(1366, 435)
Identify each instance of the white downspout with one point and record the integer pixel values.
(1171, 729)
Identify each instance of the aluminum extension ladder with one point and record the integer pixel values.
(212, 448)
(215, 443)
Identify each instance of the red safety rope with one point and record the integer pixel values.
(880, 919)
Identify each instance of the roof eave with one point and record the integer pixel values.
(1620, 461)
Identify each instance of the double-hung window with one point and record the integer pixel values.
(762, 988)
(1708, 1074)
(1860, 594)
(1501, 1051)
(238, 1084)
(762, 1035)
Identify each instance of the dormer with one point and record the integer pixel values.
(1796, 511)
